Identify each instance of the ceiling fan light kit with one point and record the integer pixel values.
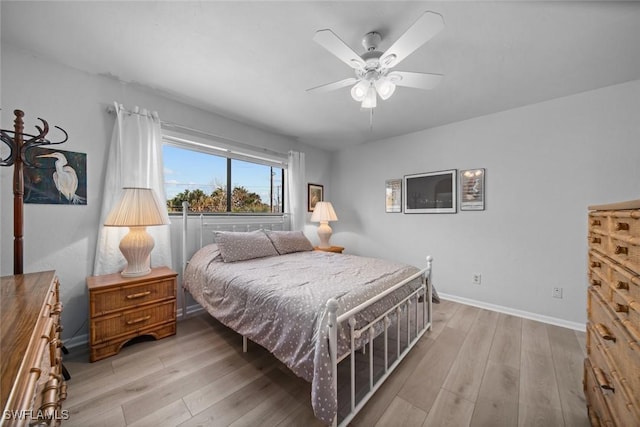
(373, 75)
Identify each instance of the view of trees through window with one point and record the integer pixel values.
(202, 179)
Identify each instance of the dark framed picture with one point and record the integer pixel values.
(472, 190)
(393, 195)
(315, 194)
(432, 192)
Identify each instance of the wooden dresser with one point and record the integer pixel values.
(612, 367)
(32, 385)
(122, 308)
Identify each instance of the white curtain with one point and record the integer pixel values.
(135, 160)
(296, 189)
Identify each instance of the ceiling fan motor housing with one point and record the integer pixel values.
(371, 40)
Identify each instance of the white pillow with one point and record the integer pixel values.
(240, 246)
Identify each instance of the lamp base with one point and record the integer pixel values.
(324, 233)
(136, 248)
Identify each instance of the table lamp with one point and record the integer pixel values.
(137, 209)
(323, 213)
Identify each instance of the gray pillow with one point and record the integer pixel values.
(287, 242)
(240, 246)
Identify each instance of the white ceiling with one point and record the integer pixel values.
(253, 61)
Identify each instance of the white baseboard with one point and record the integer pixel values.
(83, 339)
(519, 313)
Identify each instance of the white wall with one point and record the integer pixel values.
(545, 164)
(63, 238)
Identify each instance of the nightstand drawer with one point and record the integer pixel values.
(128, 296)
(130, 321)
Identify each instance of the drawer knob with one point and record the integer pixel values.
(604, 333)
(138, 320)
(621, 308)
(622, 226)
(138, 295)
(595, 240)
(622, 250)
(595, 264)
(622, 285)
(596, 222)
(602, 380)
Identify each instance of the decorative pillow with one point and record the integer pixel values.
(287, 242)
(240, 246)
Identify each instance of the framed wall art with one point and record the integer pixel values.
(59, 177)
(315, 194)
(432, 192)
(393, 195)
(472, 190)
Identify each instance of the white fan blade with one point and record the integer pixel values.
(427, 26)
(417, 80)
(333, 43)
(333, 86)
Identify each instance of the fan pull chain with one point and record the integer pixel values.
(371, 119)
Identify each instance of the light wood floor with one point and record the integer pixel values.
(476, 368)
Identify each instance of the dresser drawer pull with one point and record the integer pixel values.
(138, 295)
(602, 380)
(621, 308)
(595, 282)
(595, 240)
(604, 332)
(57, 309)
(622, 226)
(595, 264)
(138, 320)
(596, 222)
(622, 250)
(622, 285)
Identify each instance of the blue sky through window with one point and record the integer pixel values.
(187, 169)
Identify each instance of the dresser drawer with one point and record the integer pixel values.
(109, 300)
(131, 321)
(599, 241)
(627, 311)
(600, 272)
(625, 282)
(622, 351)
(626, 251)
(599, 413)
(599, 222)
(615, 391)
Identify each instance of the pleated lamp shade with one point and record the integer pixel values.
(137, 209)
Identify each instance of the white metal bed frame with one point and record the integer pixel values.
(422, 323)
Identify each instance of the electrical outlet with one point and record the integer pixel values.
(476, 279)
(557, 292)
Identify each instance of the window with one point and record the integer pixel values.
(201, 175)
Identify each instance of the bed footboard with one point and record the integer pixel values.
(413, 315)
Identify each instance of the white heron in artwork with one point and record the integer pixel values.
(65, 178)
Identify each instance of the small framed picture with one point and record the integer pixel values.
(472, 190)
(393, 195)
(315, 194)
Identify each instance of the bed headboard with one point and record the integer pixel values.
(205, 225)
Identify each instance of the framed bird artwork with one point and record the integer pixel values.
(59, 177)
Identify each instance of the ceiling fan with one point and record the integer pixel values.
(373, 69)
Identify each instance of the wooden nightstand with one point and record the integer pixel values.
(122, 308)
(336, 249)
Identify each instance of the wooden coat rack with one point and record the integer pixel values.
(19, 144)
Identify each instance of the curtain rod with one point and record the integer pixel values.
(112, 110)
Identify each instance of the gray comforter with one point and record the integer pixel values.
(279, 303)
